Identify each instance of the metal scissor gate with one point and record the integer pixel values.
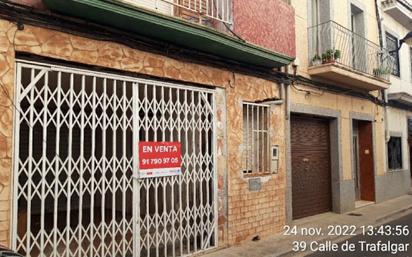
(75, 186)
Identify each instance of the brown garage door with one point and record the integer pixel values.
(311, 176)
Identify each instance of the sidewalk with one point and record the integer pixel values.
(281, 245)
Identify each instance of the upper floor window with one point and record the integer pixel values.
(392, 45)
(319, 11)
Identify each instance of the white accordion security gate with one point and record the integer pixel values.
(76, 147)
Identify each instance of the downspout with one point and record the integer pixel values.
(288, 192)
(383, 92)
(286, 94)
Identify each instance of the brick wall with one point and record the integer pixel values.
(267, 23)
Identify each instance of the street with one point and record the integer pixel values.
(372, 241)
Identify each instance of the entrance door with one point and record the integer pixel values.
(177, 214)
(311, 171)
(363, 159)
(76, 187)
(356, 165)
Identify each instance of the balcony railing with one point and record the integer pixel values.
(405, 3)
(331, 43)
(215, 10)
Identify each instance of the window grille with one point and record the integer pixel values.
(256, 141)
(395, 153)
(75, 186)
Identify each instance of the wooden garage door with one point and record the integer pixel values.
(311, 176)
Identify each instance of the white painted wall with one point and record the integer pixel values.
(397, 118)
(404, 82)
(398, 123)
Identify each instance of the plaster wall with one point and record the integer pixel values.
(397, 182)
(340, 12)
(345, 105)
(403, 83)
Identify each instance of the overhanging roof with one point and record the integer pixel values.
(401, 98)
(400, 11)
(169, 29)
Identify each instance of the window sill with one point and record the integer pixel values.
(396, 170)
(250, 175)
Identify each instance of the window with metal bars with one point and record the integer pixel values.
(256, 139)
(395, 153)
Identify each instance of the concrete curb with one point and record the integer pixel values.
(281, 246)
(393, 214)
(336, 239)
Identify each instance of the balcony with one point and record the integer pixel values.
(211, 13)
(156, 25)
(347, 59)
(400, 10)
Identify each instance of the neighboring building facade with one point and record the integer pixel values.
(396, 23)
(336, 122)
(85, 82)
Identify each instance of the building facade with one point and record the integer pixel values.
(262, 112)
(396, 17)
(85, 83)
(336, 152)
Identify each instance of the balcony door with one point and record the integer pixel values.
(320, 13)
(359, 55)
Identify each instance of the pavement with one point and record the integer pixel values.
(374, 243)
(281, 245)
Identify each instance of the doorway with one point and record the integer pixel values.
(311, 166)
(363, 162)
(76, 190)
(359, 60)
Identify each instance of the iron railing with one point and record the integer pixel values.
(330, 42)
(216, 10)
(405, 3)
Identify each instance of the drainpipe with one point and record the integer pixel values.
(385, 114)
(286, 91)
(378, 17)
(383, 92)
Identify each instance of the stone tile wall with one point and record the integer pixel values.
(242, 214)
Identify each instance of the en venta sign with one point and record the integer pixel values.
(159, 159)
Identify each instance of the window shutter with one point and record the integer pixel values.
(160, 6)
